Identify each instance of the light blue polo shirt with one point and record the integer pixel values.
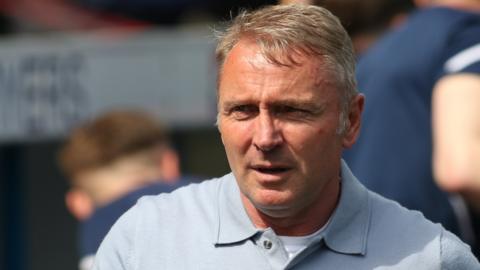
(205, 226)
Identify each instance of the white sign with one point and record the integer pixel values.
(48, 85)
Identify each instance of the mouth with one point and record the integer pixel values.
(271, 169)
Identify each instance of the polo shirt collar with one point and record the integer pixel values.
(346, 232)
(348, 229)
(233, 224)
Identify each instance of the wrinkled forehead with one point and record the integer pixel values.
(276, 51)
(246, 67)
(251, 54)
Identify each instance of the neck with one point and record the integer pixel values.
(303, 222)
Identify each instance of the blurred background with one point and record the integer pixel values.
(66, 61)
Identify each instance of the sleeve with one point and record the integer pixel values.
(455, 254)
(116, 250)
(463, 50)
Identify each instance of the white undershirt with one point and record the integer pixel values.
(294, 244)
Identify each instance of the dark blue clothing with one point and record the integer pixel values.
(393, 155)
(93, 230)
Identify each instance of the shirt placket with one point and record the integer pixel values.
(273, 249)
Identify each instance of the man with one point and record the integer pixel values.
(111, 161)
(421, 125)
(287, 107)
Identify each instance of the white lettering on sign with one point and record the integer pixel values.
(42, 94)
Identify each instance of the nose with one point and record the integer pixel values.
(267, 135)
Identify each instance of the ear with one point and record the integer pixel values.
(79, 203)
(169, 165)
(354, 120)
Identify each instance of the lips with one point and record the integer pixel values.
(271, 169)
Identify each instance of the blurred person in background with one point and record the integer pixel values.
(420, 134)
(110, 162)
(365, 21)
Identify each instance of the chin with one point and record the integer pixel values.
(272, 204)
(275, 211)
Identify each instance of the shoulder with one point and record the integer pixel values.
(418, 241)
(455, 254)
(408, 228)
(163, 218)
(386, 211)
(184, 201)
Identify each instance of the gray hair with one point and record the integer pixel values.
(283, 30)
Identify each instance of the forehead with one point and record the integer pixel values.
(248, 49)
(246, 66)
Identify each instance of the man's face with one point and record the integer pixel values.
(278, 125)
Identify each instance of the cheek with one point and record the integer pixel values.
(236, 144)
(313, 144)
(235, 137)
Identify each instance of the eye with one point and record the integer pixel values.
(291, 111)
(288, 109)
(243, 112)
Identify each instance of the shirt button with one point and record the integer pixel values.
(267, 244)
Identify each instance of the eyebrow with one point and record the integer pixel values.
(232, 104)
(299, 104)
(227, 105)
